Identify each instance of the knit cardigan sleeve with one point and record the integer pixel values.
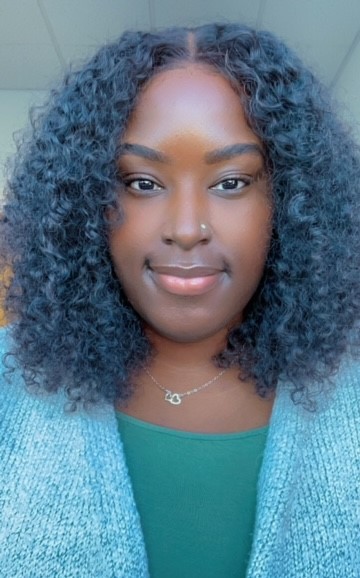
(66, 503)
(308, 514)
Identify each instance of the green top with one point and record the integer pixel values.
(196, 496)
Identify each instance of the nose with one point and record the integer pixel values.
(187, 220)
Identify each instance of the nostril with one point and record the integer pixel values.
(186, 233)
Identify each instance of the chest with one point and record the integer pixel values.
(190, 489)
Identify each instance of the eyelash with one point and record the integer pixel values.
(129, 182)
(245, 180)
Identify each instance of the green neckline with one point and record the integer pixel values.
(189, 434)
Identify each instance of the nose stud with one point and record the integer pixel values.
(203, 227)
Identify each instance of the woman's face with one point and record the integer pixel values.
(197, 210)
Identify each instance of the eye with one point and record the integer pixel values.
(142, 185)
(231, 184)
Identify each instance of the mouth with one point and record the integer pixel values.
(185, 280)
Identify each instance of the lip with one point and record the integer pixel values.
(186, 271)
(186, 280)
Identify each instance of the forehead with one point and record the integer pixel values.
(190, 99)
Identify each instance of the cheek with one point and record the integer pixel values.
(250, 233)
(259, 234)
(122, 250)
(123, 260)
(140, 221)
(128, 245)
(128, 238)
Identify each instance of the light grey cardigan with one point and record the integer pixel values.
(67, 508)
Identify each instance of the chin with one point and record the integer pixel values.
(187, 334)
(186, 338)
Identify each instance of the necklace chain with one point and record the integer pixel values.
(176, 398)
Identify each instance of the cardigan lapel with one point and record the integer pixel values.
(307, 522)
(288, 428)
(66, 502)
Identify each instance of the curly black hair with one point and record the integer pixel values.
(73, 326)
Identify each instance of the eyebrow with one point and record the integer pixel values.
(142, 151)
(234, 150)
(214, 156)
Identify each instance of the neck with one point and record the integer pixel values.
(190, 359)
(226, 405)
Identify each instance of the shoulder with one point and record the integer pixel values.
(11, 382)
(36, 426)
(331, 428)
(310, 473)
(342, 395)
(7, 361)
(339, 393)
(309, 493)
(13, 390)
(16, 398)
(5, 340)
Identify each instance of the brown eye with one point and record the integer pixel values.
(232, 184)
(142, 185)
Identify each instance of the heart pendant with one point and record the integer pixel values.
(173, 398)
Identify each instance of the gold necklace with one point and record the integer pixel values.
(176, 398)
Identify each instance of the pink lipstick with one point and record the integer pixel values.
(186, 280)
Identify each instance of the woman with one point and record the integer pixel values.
(182, 228)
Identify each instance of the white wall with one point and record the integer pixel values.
(348, 90)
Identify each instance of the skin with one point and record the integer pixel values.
(191, 249)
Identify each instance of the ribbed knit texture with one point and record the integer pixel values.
(66, 504)
(67, 507)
